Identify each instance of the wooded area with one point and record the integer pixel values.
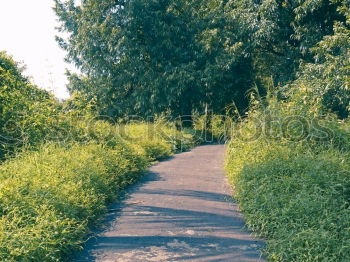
(146, 57)
(270, 78)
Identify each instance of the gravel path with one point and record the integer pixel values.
(182, 211)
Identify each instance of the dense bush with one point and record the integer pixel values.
(289, 158)
(328, 79)
(158, 140)
(27, 113)
(30, 117)
(290, 169)
(213, 128)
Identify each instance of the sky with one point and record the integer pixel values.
(27, 32)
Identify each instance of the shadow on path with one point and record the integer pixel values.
(181, 211)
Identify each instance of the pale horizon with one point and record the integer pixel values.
(28, 32)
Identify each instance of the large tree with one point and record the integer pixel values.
(145, 57)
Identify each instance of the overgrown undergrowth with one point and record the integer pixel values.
(294, 192)
(51, 196)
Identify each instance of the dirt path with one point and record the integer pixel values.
(181, 212)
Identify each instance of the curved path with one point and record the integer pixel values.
(182, 211)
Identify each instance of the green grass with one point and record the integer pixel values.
(294, 194)
(51, 197)
(156, 141)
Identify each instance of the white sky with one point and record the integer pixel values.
(27, 32)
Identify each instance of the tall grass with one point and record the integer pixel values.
(52, 194)
(294, 189)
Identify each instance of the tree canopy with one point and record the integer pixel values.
(147, 57)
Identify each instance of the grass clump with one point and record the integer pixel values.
(50, 198)
(293, 189)
(157, 141)
(299, 201)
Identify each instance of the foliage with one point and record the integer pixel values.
(50, 197)
(282, 33)
(290, 169)
(157, 141)
(67, 164)
(327, 80)
(27, 114)
(288, 158)
(213, 128)
(147, 57)
(298, 200)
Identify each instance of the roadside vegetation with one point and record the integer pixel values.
(293, 187)
(289, 159)
(269, 78)
(62, 165)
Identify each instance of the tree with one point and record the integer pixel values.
(328, 78)
(145, 57)
(283, 32)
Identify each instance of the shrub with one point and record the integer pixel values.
(213, 128)
(158, 140)
(69, 165)
(50, 198)
(27, 113)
